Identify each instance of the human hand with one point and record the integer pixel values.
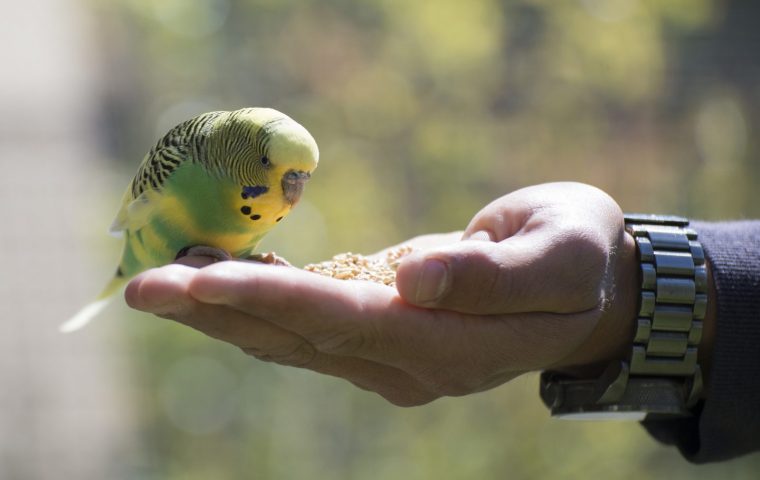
(541, 278)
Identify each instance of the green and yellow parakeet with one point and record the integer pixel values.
(220, 180)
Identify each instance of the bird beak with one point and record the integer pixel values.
(293, 183)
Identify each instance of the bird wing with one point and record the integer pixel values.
(145, 191)
(170, 152)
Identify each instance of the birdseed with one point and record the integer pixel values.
(354, 266)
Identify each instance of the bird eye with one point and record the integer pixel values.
(265, 160)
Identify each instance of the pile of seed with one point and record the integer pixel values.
(353, 266)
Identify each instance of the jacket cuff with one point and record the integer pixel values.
(727, 423)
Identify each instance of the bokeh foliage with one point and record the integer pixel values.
(424, 112)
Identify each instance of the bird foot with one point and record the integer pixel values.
(204, 251)
(270, 258)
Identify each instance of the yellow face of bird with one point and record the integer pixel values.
(271, 158)
(293, 156)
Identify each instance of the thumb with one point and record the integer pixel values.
(465, 276)
(519, 274)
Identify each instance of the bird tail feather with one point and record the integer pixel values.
(92, 309)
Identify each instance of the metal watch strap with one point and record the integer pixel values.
(662, 377)
(673, 299)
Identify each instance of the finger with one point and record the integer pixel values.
(545, 270)
(501, 219)
(164, 291)
(270, 343)
(161, 290)
(338, 317)
(422, 242)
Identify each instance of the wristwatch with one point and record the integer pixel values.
(661, 377)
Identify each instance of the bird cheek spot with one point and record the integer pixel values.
(278, 219)
(245, 210)
(253, 191)
(255, 216)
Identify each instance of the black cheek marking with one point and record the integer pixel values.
(255, 216)
(278, 219)
(246, 210)
(119, 272)
(254, 191)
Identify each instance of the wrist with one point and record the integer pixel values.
(611, 339)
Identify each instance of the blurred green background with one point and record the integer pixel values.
(424, 112)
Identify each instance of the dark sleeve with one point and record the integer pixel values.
(727, 423)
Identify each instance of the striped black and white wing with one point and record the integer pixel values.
(181, 144)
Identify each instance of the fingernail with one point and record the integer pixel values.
(433, 281)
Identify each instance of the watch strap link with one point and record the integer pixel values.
(672, 303)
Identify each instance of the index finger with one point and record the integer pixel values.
(340, 317)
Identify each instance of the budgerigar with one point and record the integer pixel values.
(220, 180)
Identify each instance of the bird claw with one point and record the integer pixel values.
(204, 251)
(270, 258)
(220, 255)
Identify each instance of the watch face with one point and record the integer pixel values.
(633, 416)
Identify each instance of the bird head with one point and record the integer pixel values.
(293, 155)
(269, 152)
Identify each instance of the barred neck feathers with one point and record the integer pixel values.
(185, 142)
(256, 146)
(251, 146)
